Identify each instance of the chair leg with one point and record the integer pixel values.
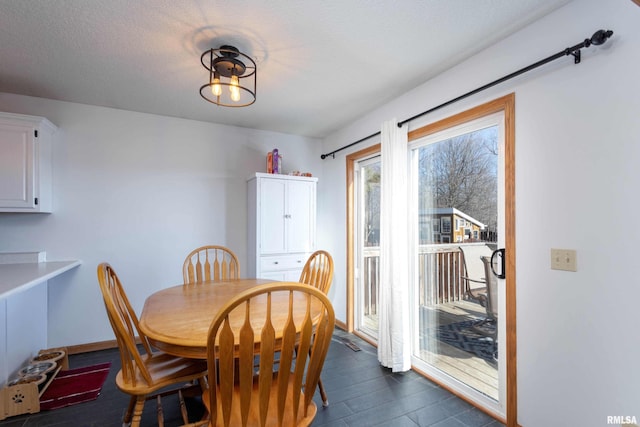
(129, 413)
(183, 408)
(323, 395)
(137, 411)
(160, 413)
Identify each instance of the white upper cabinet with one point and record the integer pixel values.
(287, 216)
(25, 163)
(282, 225)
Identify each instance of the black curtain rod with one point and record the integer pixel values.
(598, 38)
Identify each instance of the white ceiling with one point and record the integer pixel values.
(321, 64)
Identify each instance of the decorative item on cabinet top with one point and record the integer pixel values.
(274, 162)
(26, 163)
(274, 165)
(298, 173)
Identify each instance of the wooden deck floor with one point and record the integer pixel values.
(464, 366)
(474, 371)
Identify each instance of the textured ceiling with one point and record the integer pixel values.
(321, 64)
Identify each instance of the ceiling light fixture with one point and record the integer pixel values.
(232, 77)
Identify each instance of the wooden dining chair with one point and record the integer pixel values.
(318, 272)
(277, 392)
(210, 263)
(143, 373)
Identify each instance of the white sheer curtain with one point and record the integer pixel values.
(394, 338)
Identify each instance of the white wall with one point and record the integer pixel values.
(138, 191)
(577, 156)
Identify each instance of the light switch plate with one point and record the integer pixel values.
(563, 259)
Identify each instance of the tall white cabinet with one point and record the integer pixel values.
(282, 225)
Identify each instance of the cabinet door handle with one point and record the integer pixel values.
(275, 262)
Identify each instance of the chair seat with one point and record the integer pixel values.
(254, 413)
(165, 370)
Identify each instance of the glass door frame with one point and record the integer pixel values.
(505, 104)
(360, 323)
(449, 379)
(351, 161)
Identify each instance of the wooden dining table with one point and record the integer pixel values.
(176, 320)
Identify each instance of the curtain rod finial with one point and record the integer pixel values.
(600, 36)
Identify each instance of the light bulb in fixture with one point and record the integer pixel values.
(226, 66)
(234, 89)
(216, 88)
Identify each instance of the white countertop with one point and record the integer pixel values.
(16, 278)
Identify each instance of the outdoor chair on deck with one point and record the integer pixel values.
(279, 392)
(474, 272)
(210, 263)
(489, 326)
(143, 375)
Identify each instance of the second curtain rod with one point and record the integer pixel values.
(598, 38)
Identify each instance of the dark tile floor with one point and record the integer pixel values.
(361, 393)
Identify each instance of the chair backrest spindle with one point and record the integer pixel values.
(220, 263)
(318, 271)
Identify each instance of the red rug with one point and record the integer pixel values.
(74, 386)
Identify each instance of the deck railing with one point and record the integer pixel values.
(371, 279)
(440, 271)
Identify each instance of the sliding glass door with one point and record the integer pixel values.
(367, 250)
(455, 175)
